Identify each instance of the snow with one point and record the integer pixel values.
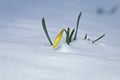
(25, 53)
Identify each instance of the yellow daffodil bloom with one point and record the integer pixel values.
(58, 38)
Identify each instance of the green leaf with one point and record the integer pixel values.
(98, 38)
(67, 35)
(85, 37)
(70, 38)
(45, 30)
(75, 37)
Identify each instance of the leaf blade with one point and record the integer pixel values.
(70, 38)
(98, 38)
(67, 35)
(75, 37)
(45, 30)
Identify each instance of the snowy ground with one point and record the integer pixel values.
(25, 53)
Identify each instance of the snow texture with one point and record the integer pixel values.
(25, 53)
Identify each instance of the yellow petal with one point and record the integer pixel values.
(58, 38)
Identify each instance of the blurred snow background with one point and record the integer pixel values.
(25, 53)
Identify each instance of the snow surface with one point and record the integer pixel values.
(25, 53)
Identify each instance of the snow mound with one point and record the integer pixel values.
(64, 48)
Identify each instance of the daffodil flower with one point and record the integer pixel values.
(58, 38)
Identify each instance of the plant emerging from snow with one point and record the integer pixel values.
(69, 35)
